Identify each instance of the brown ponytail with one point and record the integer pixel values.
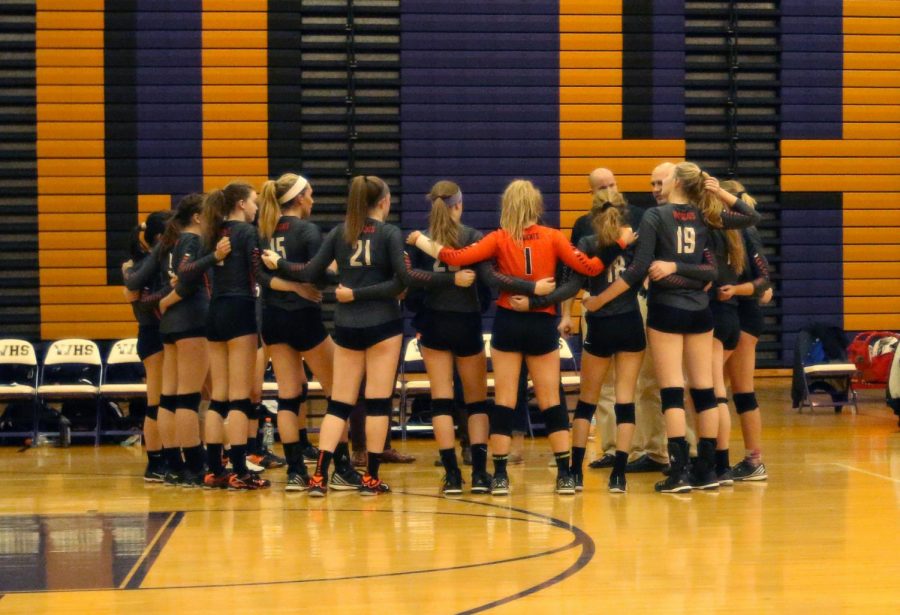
(181, 217)
(218, 205)
(441, 226)
(608, 215)
(365, 192)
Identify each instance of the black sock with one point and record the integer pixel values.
(253, 446)
(214, 458)
(342, 457)
(293, 456)
(173, 459)
(620, 462)
(324, 462)
(448, 458)
(722, 462)
(304, 438)
(706, 456)
(154, 460)
(238, 455)
(678, 454)
(577, 459)
(479, 457)
(562, 463)
(193, 457)
(500, 465)
(374, 463)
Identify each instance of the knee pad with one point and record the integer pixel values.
(188, 401)
(441, 407)
(168, 402)
(556, 419)
(721, 401)
(219, 407)
(290, 404)
(244, 406)
(339, 409)
(624, 413)
(745, 402)
(501, 421)
(672, 397)
(704, 399)
(585, 411)
(478, 407)
(152, 412)
(379, 406)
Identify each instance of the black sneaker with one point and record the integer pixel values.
(452, 484)
(189, 480)
(310, 454)
(481, 482)
(579, 481)
(674, 483)
(705, 481)
(154, 476)
(317, 486)
(645, 463)
(345, 479)
(616, 483)
(296, 481)
(173, 479)
(726, 479)
(373, 486)
(606, 461)
(746, 471)
(500, 485)
(565, 485)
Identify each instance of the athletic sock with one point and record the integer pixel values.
(620, 462)
(722, 463)
(373, 464)
(754, 457)
(253, 446)
(304, 439)
(324, 462)
(214, 458)
(154, 460)
(578, 459)
(448, 458)
(500, 465)
(173, 459)
(293, 456)
(238, 455)
(479, 457)
(342, 457)
(193, 456)
(562, 463)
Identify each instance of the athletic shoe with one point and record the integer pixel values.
(726, 479)
(317, 486)
(254, 467)
(616, 483)
(565, 485)
(746, 471)
(392, 455)
(296, 482)
(704, 480)
(256, 481)
(236, 483)
(678, 483)
(216, 481)
(173, 479)
(189, 480)
(310, 454)
(373, 486)
(154, 476)
(645, 463)
(579, 480)
(481, 482)
(500, 485)
(452, 484)
(345, 479)
(606, 461)
(267, 460)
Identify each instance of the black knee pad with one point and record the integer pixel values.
(672, 397)
(745, 402)
(339, 409)
(477, 407)
(188, 401)
(290, 404)
(168, 402)
(244, 406)
(556, 419)
(624, 413)
(219, 406)
(585, 411)
(501, 419)
(441, 407)
(260, 412)
(152, 412)
(704, 399)
(379, 406)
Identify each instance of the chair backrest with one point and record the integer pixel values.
(123, 365)
(123, 351)
(487, 345)
(18, 363)
(412, 351)
(72, 361)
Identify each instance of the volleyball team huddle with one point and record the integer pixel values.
(209, 283)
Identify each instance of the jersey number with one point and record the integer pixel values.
(527, 261)
(441, 267)
(615, 270)
(687, 240)
(277, 245)
(363, 248)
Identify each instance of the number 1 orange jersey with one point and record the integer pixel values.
(534, 258)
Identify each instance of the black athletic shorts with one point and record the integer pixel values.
(363, 338)
(171, 338)
(149, 341)
(727, 326)
(456, 332)
(669, 319)
(231, 317)
(300, 329)
(609, 335)
(750, 314)
(529, 333)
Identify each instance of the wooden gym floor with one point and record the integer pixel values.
(80, 532)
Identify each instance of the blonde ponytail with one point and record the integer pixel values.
(269, 212)
(521, 204)
(441, 226)
(608, 215)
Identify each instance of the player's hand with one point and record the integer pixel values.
(308, 292)
(412, 237)
(711, 184)
(127, 265)
(565, 326)
(223, 248)
(726, 292)
(767, 296)
(661, 269)
(270, 259)
(627, 235)
(464, 278)
(343, 294)
(592, 303)
(520, 303)
(544, 286)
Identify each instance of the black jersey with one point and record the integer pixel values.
(236, 276)
(726, 275)
(677, 233)
(756, 266)
(297, 241)
(444, 295)
(144, 277)
(190, 312)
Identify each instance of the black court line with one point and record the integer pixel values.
(144, 568)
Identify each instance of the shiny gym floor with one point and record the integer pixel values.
(80, 532)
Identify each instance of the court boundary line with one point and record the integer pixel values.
(150, 551)
(861, 471)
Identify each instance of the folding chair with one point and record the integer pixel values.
(123, 379)
(412, 362)
(72, 370)
(18, 381)
(816, 381)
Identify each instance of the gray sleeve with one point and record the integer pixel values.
(740, 215)
(316, 266)
(388, 289)
(643, 253)
(138, 277)
(705, 271)
(569, 288)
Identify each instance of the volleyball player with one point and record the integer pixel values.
(674, 238)
(523, 249)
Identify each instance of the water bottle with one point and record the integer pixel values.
(268, 439)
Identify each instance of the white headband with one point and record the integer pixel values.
(298, 187)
